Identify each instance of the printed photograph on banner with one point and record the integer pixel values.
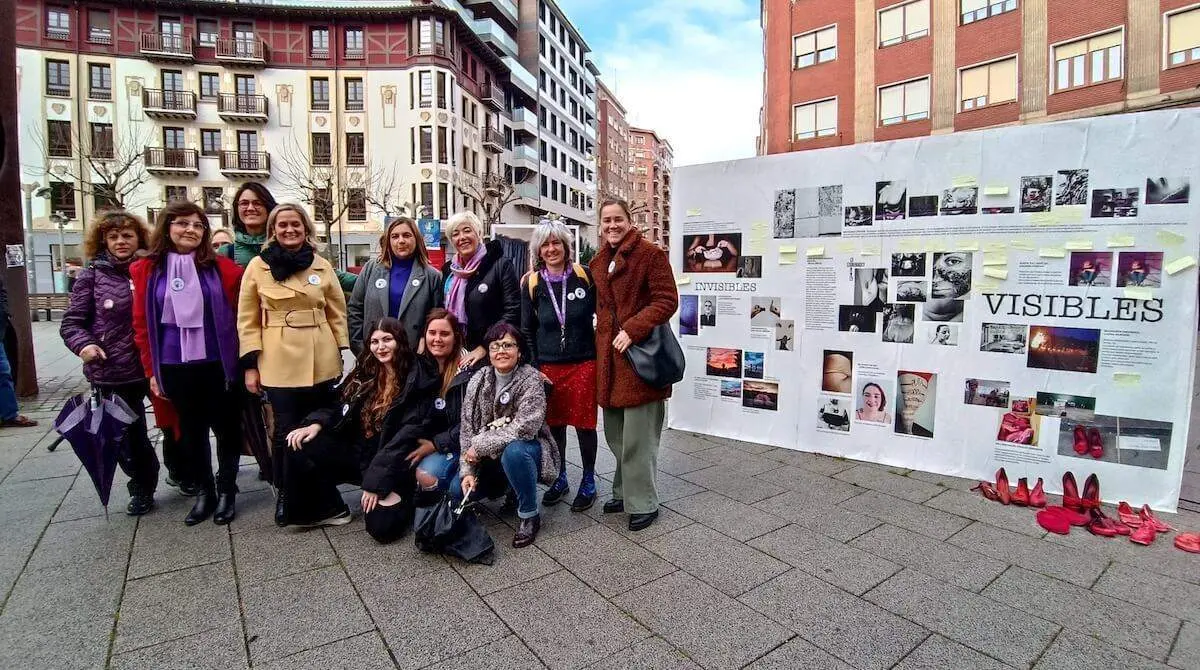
(1091, 268)
(873, 401)
(891, 200)
(951, 275)
(998, 210)
(731, 388)
(807, 209)
(1079, 408)
(1111, 203)
(689, 314)
(942, 310)
(943, 334)
(1168, 191)
(908, 265)
(922, 205)
(760, 395)
(712, 252)
(912, 291)
(785, 335)
(785, 214)
(754, 363)
(858, 215)
(765, 311)
(1058, 348)
(1143, 443)
(1094, 439)
(856, 319)
(829, 207)
(719, 362)
(708, 311)
(985, 392)
(1036, 193)
(1019, 425)
(1004, 338)
(960, 200)
(916, 411)
(1140, 268)
(833, 413)
(837, 368)
(870, 287)
(750, 267)
(1070, 187)
(899, 323)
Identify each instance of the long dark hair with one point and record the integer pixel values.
(160, 239)
(369, 383)
(263, 194)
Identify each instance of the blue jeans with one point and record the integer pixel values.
(8, 393)
(442, 466)
(522, 461)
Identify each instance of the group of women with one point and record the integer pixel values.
(465, 379)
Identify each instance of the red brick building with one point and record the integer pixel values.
(845, 71)
(614, 176)
(651, 157)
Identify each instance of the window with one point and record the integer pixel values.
(58, 138)
(443, 201)
(207, 31)
(356, 204)
(99, 26)
(175, 193)
(99, 81)
(431, 37)
(102, 140)
(214, 199)
(58, 23)
(426, 133)
(210, 142)
(441, 90)
(247, 145)
(172, 80)
(173, 138)
(903, 22)
(322, 150)
(815, 119)
(1183, 37)
(816, 47)
(356, 149)
(243, 85)
(322, 204)
(904, 102)
(442, 145)
(354, 43)
(58, 78)
(1089, 61)
(320, 94)
(426, 92)
(318, 42)
(978, 10)
(354, 95)
(988, 84)
(62, 198)
(210, 85)
(427, 194)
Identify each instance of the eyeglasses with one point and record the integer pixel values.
(502, 346)
(250, 204)
(188, 225)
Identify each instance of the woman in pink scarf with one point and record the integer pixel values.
(481, 285)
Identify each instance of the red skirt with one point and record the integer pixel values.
(572, 400)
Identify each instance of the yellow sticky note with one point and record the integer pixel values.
(868, 250)
(993, 246)
(847, 247)
(995, 273)
(963, 181)
(1138, 293)
(909, 244)
(1024, 245)
(995, 190)
(1121, 241)
(787, 249)
(814, 251)
(1051, 252)
(983, 286)
(787, 260)
(1180, 264)
(994, 259)
(680, 281)
(1078, 245)
(1068, 214)
(968, 245)
(1042, 218)
(694, 212)
(1123, 378)
(935, 244)
(1170, 239)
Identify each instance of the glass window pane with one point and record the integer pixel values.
(1114, 63)
(827, 38)
(1063, 78)
(806, 44)
(1098, 66)
(891, 25)
(1183, 30)
(891, 103)
(827, 115)
(916, 97)
(806, 119)
(916, 18)
(1078, 76)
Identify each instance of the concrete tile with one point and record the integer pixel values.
(937, 653)
(681, 441)
(43, 465)
(947, 562)
(1154, 592)
(35, 502)
(604, 560)
(846, 626)
(361, 652)
(217, 649)
(365, 558)
(653, 652)
(606, 463)
(82, 501)
(728, 517)
(511, 566)
(1114, 621)
(944, 481)
(507, 653)
(918, 518)
(730, 566)
(1053, 560)
(879, 479)
(737, 461)
(256, 510)
(273, 552)
(747, 447)
(677, 463)
(818, 463)
(976, 507)
(565, 623)
(1008, 634)
(817, 489)
(843, 566)
(713, 629)
(1186, 653)
(798, 654)
(828, 520)
(85, 543)
(667, 521)
(732, 485)
(300, 612)
(165, 544)
(175, 605)
(1161, 558)
(1072, 650)
(672, 488)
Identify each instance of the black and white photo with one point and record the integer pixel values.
(749, 267)
(833, 413)
(911, 291)
(708, 311)
(908, 265)
(922, 205)
(785, 214)
(1070, 187)
(858, 215)
(807, 221)
(1036, 193)
(941, 334)
(1119, 203)
(829, 208)
(891, 201)
(960, 200)
(856, 319)
(785, 335)
(899, 323)
(871, 287)
(1168, 190)
(1003, 338)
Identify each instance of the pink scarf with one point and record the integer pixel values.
(183, 305)
(456, 295)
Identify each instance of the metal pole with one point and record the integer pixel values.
(29, 246)
(62, 249)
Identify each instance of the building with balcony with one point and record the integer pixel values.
(613, 167)
(650, 162)
(839, 73)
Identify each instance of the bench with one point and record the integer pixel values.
(48, 302)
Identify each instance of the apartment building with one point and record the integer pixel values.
(614, 169)
(853, 71)
(651, 158)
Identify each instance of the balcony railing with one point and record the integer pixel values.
(493, 140)
(97, 93)
(59, 90)
(162, 159)
(493, 96)
(431, 50)
(247, 50)
(168, 45)
(235, 107)
(354, 105)
(159, 102)
(252, 163)
(100, 35)
(355, 53)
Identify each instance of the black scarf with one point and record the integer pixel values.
(284, 263)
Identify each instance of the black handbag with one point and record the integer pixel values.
(444, 528)
(658, 360)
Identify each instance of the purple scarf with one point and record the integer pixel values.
(183, 305)
(456, 296)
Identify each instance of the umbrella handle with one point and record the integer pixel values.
(54, 444)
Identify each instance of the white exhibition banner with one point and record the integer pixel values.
(1022, 297)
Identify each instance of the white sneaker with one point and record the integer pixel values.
(340, 519)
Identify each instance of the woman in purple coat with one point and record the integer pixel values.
(98, 328)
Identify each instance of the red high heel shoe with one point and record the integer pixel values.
(1127, 515)
(1081, 443)
(1104, 526)
(1189, 542)
(1143, 534)
(1095, 443)
(1070, 493)
(986, 490)
(1020, 497)
(1037, 497)
(1091, 492)
(1005, 496)
(1148, 515)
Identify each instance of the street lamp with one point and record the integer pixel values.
(60, 220)
(32, 189)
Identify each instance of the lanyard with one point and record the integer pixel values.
(560, 308)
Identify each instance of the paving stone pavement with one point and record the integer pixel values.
(762, 558)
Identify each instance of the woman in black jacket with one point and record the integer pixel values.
(480, 285)
(383, 409)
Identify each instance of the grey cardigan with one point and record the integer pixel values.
(490, 423)
(369, 301)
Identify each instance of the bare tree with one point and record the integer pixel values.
(385, 192)
(108, 168)
(494, 193)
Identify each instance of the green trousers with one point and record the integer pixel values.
(632, 434)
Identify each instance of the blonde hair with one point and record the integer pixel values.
(464, 218)
(310, 231)
(385, 242)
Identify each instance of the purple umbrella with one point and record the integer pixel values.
(96, 427)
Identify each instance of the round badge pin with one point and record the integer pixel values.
(439, 403)
(580, 293)
(612, 265)
(314, 280)
(416, 282)
(177, 284)
(483, 288)
(345, 409)
(108, 304)
(381, 283)
(504, 398)
(571, 296)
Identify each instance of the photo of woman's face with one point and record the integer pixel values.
(951, 275)
(873, 398)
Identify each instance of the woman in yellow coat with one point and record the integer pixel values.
(292, 328)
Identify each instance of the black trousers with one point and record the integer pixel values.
(309, 485)
(204, 401)
(137, 458)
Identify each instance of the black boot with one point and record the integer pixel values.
(527, 532)
(281, 515)
(139, 504)
(205, 502)
(225, 511)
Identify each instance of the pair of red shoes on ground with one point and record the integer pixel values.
(1088, 441)
(1084, 510)
(1021, 496)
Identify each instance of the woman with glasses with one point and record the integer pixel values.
(184, 326)
(480, 285)
(399, 283)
